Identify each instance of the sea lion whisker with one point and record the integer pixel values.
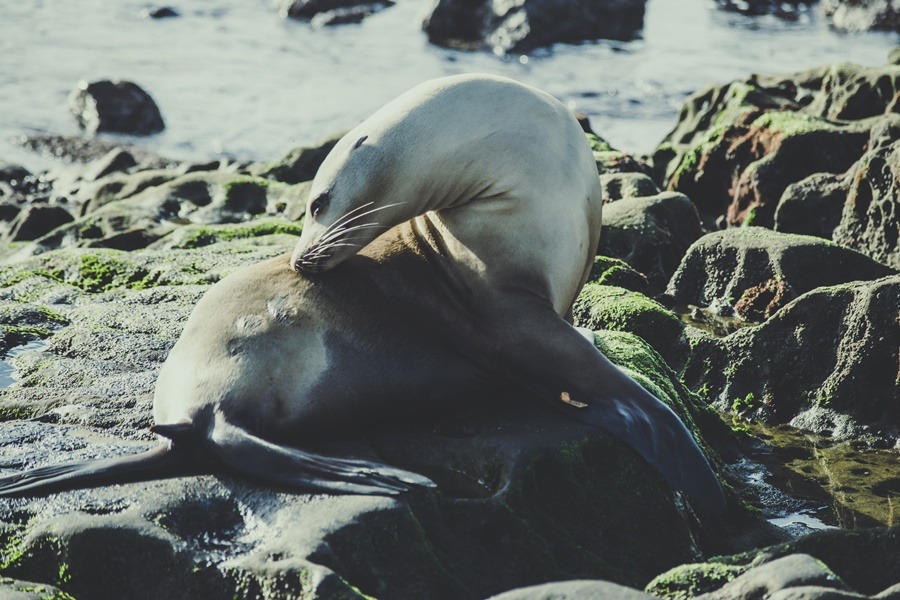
(343, 232)
(339, 221)
(368, 212)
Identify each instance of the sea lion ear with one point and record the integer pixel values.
(360, 141)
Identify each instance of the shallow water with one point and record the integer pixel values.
(834, 484)
(232, 78)
(7, 370)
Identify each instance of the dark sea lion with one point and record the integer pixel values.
(491, 202)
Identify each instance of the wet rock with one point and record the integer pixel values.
(119, 186)
(117, 107)
(12, 589)
(863, 15)
(84, 150)
(738, 147)
(34, 221)
(350, 14)
(522, 25)
(8, 211)
(114, 161)
(300, 164)
(651, 234)
(826, 362)
(753, 265)
(573, 590)
(10, 173)
(159, 12)
(331, 12)
(786, 10)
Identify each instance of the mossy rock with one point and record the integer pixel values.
(300, 164)
(825, 362)
(612, 271)
(686, 581)
(608, 307)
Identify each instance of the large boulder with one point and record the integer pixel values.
(522, 25)
(738, 147)
(525, 495)
(116, 107)
(826, 362)
(758, 271)
(331, 12)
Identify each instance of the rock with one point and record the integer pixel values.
(573, 590)
(738, 147)
(651, 234)
(617, 186)
(781, 574)
(786, 10)
(612, 271)
(10, 173)
(812, 206)
(126, 221)
(300, 164)
(813, 592)
(35, 220)
(350, 14)
(342, 10)
(522, 25)
(114, 161)
(863, 15)
(159, 12)
(694, 579)
(8, 211)
(614, 308)
(117, 107)
(119, 186)
(826, 362)
(745, 264)
(526, 495)
(870, 221)
(12, 589)
(84, 150)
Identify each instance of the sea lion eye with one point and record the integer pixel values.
(319, 204)
(360, 141)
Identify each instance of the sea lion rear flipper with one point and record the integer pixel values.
(307, 471)
(558, 362)
(157, 462)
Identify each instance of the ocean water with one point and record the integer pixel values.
(234, 79)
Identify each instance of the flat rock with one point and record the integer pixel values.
(573, 590)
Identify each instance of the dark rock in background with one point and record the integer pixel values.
(789, 9)
(522, 25)
(331, 12)
(35, 220)
(159, 12)
(116, 107)
(863, 15)
(300, 164)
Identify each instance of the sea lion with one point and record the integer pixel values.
(468, 287)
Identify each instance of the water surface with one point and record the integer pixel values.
(232, 78)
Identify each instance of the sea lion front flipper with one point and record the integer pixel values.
(304, 470)
(557, 361)
(162, 461)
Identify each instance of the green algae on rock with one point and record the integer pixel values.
(612, 271)
(609, 307)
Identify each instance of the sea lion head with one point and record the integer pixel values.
(352, 201)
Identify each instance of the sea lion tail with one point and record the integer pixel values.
(307, 471)
(162, 461)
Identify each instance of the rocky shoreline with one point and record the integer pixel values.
(747, 275)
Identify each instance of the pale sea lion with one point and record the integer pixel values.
(491, 202)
